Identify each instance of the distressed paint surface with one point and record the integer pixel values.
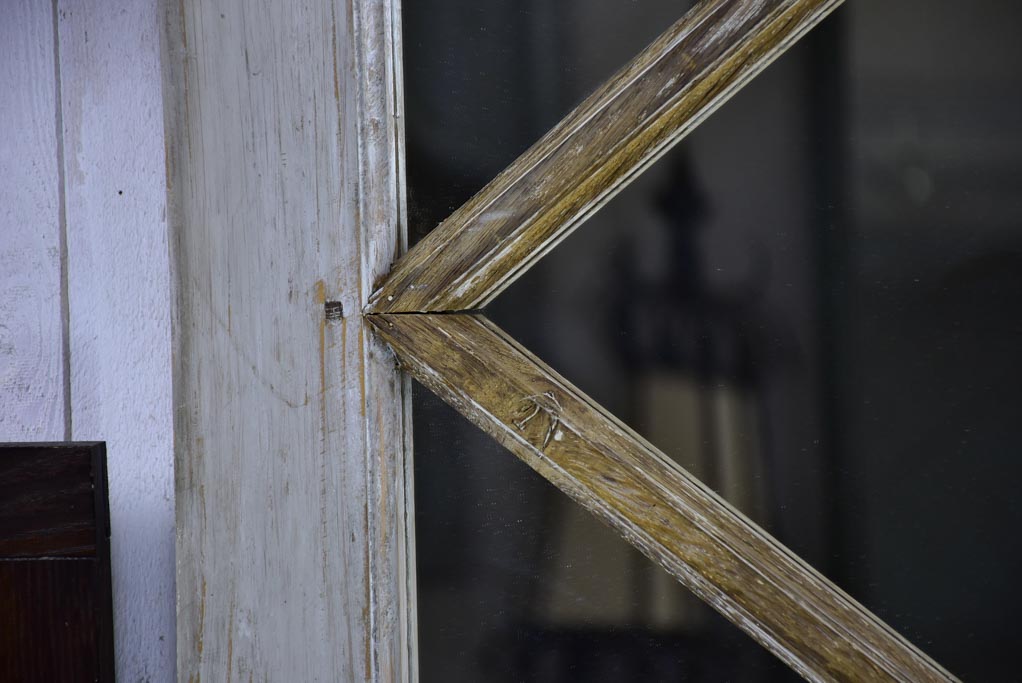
(383, 231)
(611, 137)
(55, 583)
(290, 423)
(33, 397)
(669, 515)
(119, 305)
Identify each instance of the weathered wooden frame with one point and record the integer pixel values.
(425, 310)
(295, 546)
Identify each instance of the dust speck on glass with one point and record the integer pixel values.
(813, 303)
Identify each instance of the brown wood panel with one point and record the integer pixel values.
(46, 501)
(295, 538)
(56, 618)
(726, 559)
(596, 150)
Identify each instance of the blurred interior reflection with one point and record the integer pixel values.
(814, 303)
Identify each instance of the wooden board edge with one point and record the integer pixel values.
(431, 277)
(390, 550)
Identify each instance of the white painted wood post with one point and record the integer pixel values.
(84, 281)
(292, 438)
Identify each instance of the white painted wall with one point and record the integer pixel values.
(90, 70)
(32, 393)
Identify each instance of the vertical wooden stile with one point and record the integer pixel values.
(291, 430)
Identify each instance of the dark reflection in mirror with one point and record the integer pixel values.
(813, 304)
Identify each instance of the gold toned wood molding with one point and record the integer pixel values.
(596, 150)
(727, 560)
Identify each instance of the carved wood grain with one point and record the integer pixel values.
(595, 151)
(669, 515)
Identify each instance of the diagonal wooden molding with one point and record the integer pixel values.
(420, 311)
(726, 559)
(626, 125)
